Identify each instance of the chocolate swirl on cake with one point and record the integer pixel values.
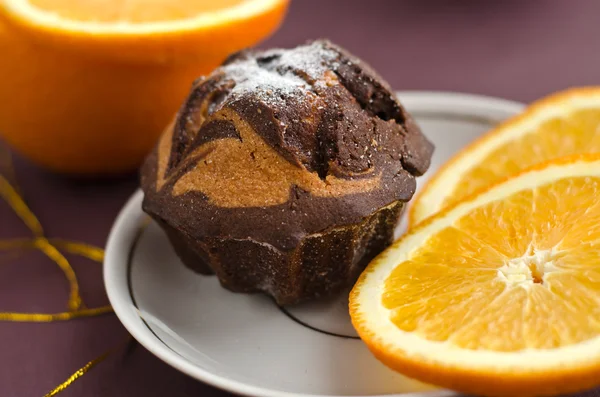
(285, 171)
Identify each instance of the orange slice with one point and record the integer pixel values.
(497, 295)
(563, 124)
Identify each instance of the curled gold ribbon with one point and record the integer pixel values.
(10, 195)
(6, 167)
(79, 373)
(75, 304)
(82, 249)
(14, 200)
(52, 249)
(75, 301)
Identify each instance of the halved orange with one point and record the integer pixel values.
(562, 124)
(499, 294)
(89, 85)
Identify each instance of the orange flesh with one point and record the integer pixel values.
(521, 272)
(555, 138)
(132, 11)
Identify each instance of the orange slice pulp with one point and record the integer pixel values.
(498, 294)
(562, 124)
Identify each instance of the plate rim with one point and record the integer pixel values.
(123, 234)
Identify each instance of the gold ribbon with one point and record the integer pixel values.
(75, 304)
(52, 249)
(78, 374)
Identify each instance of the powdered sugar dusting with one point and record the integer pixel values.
(314, 59)
(275, 75)
(266, 85)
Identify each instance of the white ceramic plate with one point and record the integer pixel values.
(245, 343)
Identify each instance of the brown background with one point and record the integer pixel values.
(513, 49)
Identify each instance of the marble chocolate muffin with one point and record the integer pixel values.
(285, 171)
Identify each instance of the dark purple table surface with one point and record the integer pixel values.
(515, 49)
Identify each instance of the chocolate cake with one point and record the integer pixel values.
(285, 171)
